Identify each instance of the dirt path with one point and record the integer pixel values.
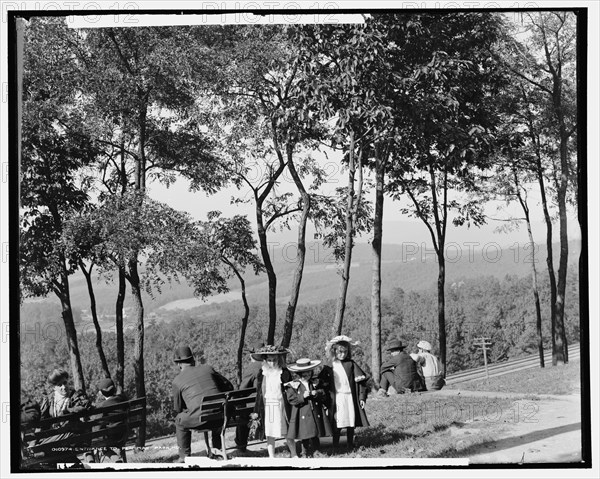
(538, 430)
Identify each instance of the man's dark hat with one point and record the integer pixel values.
(394, 344)
(183, 354)
(106, 386)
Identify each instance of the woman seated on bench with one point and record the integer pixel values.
(64, 400)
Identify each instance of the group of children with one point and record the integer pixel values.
(306, 407)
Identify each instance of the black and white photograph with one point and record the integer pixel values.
(255, 239)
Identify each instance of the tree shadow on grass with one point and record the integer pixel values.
(510, 442)
(377, 436)
(381, 435)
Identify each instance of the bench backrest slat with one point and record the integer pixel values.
(219, 408)
(49, 422)
(113, 425)
(77, 425)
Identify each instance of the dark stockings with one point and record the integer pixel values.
(349, 436)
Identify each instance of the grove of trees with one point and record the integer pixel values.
(443, 113)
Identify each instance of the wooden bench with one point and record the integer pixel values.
(86, 431)
(227, 409)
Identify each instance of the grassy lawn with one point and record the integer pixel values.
(410, 425)
(559, 380)
(421, 425)
(426, 425)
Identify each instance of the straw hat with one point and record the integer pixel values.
(342, 339)
(303, 364)
(261, 353)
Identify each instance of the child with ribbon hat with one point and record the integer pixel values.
(347, 386)
(271, 409)
(308, 420)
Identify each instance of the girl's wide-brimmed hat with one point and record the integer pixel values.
(304, 364)
(426, 345)
(342, 339)
(261, 353)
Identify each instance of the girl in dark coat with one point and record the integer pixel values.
(308, 421)
(271, 410)
(347, 386)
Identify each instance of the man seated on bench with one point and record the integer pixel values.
(189, 388)
(108, 397)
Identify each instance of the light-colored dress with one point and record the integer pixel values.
(344, 406)
(275, 423)
(60, 404)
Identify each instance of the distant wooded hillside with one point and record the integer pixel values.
(410, 267)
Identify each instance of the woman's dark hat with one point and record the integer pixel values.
(183, 354)
(57, 375)
(394, 345)
(261, 353)
(303, 364)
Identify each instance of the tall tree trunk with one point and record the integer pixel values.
(441, 221)
(376, 270)
(300, 257)
(99, 348)
(559, 354)
(352, 206)
(240, 351)
(271, 276)
(120, 373)
(133, 277)
(138, 355)
(63, 292)
(536, 295)
(441, 284)
(549, 258)
(559, 346)
(70, 331)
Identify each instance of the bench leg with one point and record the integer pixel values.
(208, 448)
(123, 454)
(223, 446)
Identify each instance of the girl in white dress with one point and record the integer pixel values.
(272, 410)
(346, 383)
